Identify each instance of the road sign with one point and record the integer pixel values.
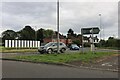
(94, 30)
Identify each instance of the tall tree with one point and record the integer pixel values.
(27, 33)
(8, 34)
(48, 33)
(70, 31)
(40, 35)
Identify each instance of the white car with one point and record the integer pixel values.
(52, 47)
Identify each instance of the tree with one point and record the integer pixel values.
(8, 34)
(76, 42)
(40, 35)
(70, 31)
(27, 33)
(48, 33)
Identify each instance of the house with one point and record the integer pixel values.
(53, 38)
(95, 39)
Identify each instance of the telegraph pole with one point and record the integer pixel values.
(58, 26)
(100, 28)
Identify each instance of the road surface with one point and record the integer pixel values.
(14, 69)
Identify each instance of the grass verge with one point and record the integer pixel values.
(64, 58)
(15, 50)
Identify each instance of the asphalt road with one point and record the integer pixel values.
(13, 69)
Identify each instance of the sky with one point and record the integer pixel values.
(74, 15)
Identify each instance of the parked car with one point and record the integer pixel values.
(52, 47)
(74, 47)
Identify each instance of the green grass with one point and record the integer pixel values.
(15, 50)
(64, 58)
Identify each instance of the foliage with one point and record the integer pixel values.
(76, 42)
(111, 42)
(8, 34)
(40, 35)
(70, 31)
(48, 33)
(27, 33)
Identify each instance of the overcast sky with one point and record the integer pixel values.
(74, 15)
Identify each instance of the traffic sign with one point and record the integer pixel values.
(94, 30)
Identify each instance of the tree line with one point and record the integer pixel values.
(111, 42)
(27, 33)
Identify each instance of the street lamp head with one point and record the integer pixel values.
(99, 14)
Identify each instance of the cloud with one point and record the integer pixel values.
(75, 15)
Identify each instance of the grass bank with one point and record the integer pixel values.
(15, 50)
(64, 58)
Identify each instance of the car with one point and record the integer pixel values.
(52, 47)
(74, 47)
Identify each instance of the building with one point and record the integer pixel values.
(53, 38)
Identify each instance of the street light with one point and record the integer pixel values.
(100, 28)
(58, 26)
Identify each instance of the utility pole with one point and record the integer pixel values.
(58, 26)
(100, 28)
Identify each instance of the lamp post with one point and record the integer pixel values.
(100, 27)
(58, 26)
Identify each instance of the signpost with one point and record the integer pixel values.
(93, 30)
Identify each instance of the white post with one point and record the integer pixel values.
(25, 43)
(22, 44)
(38, 44)
(6, 43)
(9, 43)
(13, 44)
(19, 43)
(28, 44)
(33, 44)
(16, 43)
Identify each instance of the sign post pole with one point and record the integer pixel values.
(93, 30)
(82, 44)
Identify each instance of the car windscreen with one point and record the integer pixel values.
(48, 44)
(74, 46)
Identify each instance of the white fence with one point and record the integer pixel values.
(22, 44)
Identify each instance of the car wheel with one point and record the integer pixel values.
(49, 51)
(62, 50)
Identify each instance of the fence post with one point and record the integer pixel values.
(9, 43)
(6, 43)
(13, 44)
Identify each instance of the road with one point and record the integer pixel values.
(13, 69)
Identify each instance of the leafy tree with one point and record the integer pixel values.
(71, 32)
(40, 35)
(102, 43)
(48, 33)
(9, 34)
(27, 33)
(76, 42)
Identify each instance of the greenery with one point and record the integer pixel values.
(27, 33)
(111, 42)
(64, 58)
(15, 50)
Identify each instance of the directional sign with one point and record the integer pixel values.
(94, 30)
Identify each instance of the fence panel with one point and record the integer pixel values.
(22, 43)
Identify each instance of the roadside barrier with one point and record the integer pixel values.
(22, 44)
